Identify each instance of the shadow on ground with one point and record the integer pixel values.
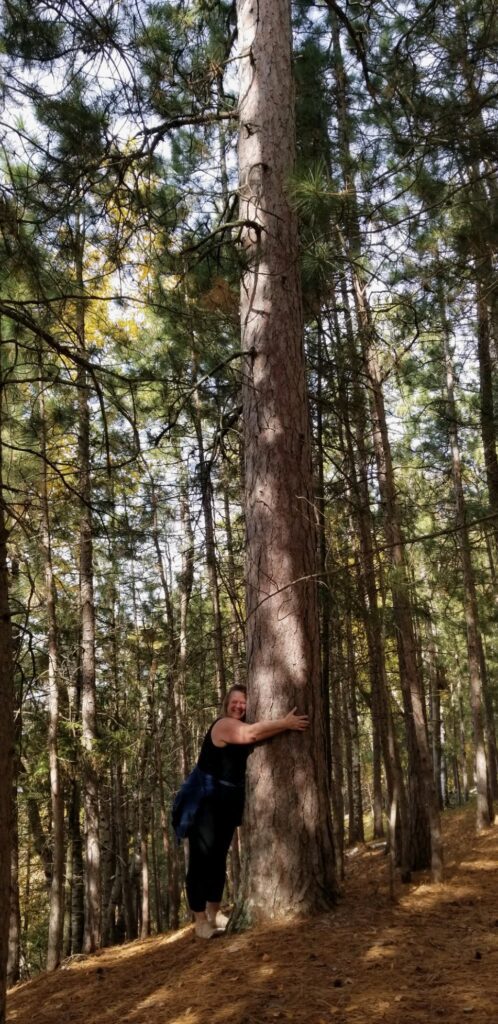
(432, 955)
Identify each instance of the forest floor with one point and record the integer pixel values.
(431, 955)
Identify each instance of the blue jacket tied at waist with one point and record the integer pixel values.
(189, 798)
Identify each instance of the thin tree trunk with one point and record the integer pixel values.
(68, 895)
(336, 673)
(144, 869)
(6, 736)
(424, 811)
(356, 831)
(56, 910)
(207, 508)
(425, 825)
(324, 592)
(109, 863)
(13, 961)
(489, 721)
(78, 886)
(155, 869)
(435, 717)
(169, 847)
(177, 646)
(462, 742)
(119, 796)
(185, 584)
(355, 429)
(236, 624)
(484, 799)
(486, 406)
(92, 870)
(124, 854)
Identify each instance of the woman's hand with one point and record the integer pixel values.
(294, 721)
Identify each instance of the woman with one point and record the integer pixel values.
(217, 785)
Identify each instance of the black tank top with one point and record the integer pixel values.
(226, 763)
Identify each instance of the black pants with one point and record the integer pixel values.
(209, 842)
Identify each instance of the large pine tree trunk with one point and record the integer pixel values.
(288, 863)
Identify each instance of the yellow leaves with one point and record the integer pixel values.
(169, 281)
(221, 296)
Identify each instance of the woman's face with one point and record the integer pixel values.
(236, 707)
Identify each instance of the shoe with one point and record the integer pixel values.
(220, 921)
(204, 930)
(217, 920)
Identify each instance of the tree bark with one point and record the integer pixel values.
(336, 671)
(212, 568)
(486, 405)
(92, 869)
(56, 910)
(78, 881)
(354, 414)
(324, 593)
(426, 846)
(13, 962)
(485, 814)
(124, 853)
(6, 737)
(425, 826)
(169, 847)
(143, 829)
(356, 832)
(185, 584)
(436, 721)
(287, 810)
(231, 586)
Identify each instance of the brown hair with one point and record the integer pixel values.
(233, 689)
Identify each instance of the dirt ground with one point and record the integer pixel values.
(431, 955)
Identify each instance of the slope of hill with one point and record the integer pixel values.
(431, 955)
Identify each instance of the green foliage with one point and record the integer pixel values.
(29, 35)
(117, 159)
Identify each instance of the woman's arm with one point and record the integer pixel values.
(228, 730)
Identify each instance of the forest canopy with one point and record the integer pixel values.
(124, 453)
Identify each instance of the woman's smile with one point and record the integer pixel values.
(236, 708)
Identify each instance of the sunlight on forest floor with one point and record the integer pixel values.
(432, 955)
